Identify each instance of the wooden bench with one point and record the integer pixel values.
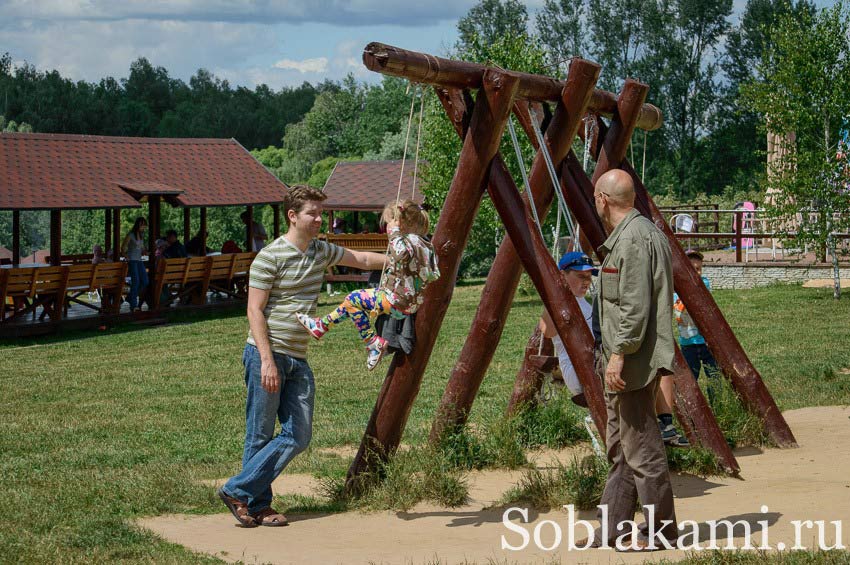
(195, 276)
(359, 241)
(229, 273)
(376, 242)
(190, 274)
(107, 279)
(78, 259)
(32, 287)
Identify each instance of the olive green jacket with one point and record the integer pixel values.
(636, 300)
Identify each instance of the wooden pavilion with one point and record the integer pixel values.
(65, 172)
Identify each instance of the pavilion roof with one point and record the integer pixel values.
(369, 185)
(57, 171)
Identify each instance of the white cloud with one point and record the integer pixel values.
(316, 65)
(338, 12)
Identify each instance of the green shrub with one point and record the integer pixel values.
(580, 483)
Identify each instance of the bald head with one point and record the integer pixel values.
(619, 187)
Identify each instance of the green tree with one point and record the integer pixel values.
(805, 89)
(441, 147)
(561, 27)
(490, 20)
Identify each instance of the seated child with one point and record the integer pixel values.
(691, 341)
(411, 265)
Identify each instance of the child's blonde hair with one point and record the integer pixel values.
(410, 216)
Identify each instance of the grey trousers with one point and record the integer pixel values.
(638, 465)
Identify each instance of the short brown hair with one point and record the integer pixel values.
(410, 216)
(298, 196)
(694, 254)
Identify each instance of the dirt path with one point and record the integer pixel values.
(809, 483)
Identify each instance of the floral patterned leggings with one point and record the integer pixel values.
(357, 306)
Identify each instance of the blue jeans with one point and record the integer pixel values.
(138, 281)
(266, 455)
(699, 357)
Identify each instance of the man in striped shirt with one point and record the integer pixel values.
(285, 278)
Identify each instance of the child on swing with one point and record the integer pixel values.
(411, 265)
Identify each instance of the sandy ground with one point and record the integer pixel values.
(808, 483)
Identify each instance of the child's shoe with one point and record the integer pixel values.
(315, 326)
(375, 351)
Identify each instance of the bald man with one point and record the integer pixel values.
(635, 306)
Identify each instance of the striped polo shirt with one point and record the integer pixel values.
(295, 280)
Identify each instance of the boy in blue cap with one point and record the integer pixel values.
(578, 271)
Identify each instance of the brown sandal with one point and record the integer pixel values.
(239, 510)
(270, 517)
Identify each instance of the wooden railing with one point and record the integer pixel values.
(742, 229)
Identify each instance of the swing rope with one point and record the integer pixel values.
(556, 185)
(525, 183)
(374, 312)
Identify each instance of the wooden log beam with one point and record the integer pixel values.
(401, 385)
(502, 281)
(448, 73)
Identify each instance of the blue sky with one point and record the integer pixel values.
(248, 42)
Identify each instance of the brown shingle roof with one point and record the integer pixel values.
(369, 185)
(48, 171)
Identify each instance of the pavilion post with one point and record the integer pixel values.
(154, 205)
(107, 229)
(203, 231)
(116, 234)
(187, 224)
(56, 237)
(249, 229)
(401, 385)
(490, 317)
(276, 216)
(16, 237)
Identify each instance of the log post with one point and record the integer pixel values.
(543, 271)
(631, 100)
(401, 385)
(529, 380)
(502, 281)
(690, 406)
(719, 337)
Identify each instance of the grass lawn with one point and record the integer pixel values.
(99, 428)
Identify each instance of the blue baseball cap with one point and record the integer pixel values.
(577, 261)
